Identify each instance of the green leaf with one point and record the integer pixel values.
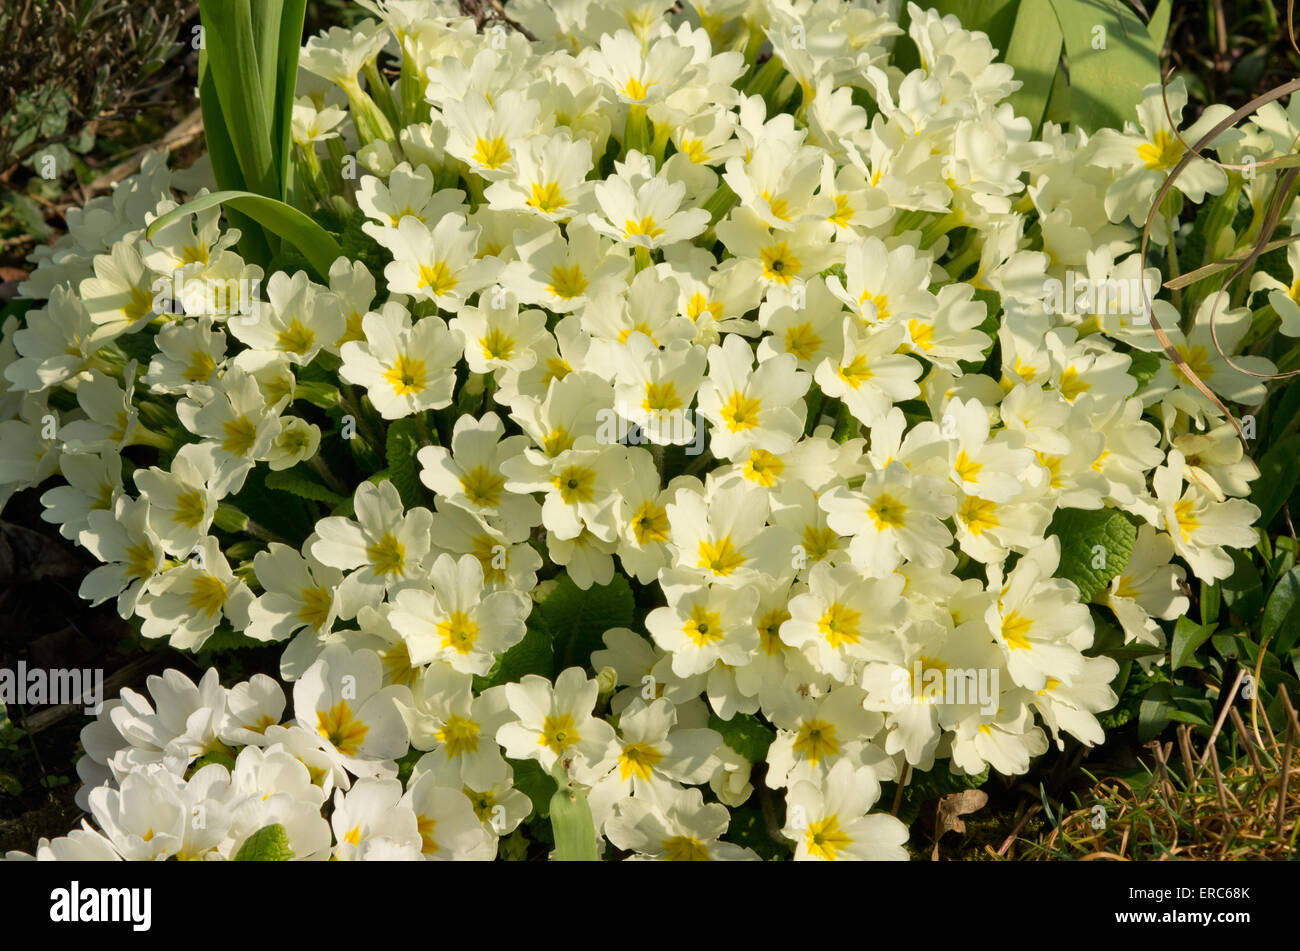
(1278, 472)
(401, 445)
(1111, 58)
(1095, 547)
(1158, 26)
(996, 18)
(220, 757)
(232, 55)
(748, 829)
(577, 618)
(318, 393)
(1188, 636)
(1143, 367)
(531, 780)
(298, 482)
(290, 43)
(535, 654)
(229, 519)
(575, 831)
(1154, 712)
(1034, 51)
(316, 244)
(746, 734)
(1281, 624)
(267, 844)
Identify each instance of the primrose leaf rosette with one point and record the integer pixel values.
(704, 410)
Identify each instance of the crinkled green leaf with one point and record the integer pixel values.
(1095, 546)
(401, 445)
(577, 618)
(297, 481)
(746, 734)
(535, 654)
(268, 844)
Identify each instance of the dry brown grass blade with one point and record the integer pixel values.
(1223, 714)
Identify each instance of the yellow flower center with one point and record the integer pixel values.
(825, 839)
(482, 486)
(344, 731)
(816, 740)
(567, 283)
(547, 198)
(576, 484)
(802, 341)
(407, 376)
(978, 514)
(558, 733)
(1015, 630)
(638, 759)
(661, 396)
(721, 557)
(437, 277)
(887, 512)
(387, 556)
(839, 625)
(295, 338)
(1162, 152)
(458, 632)
(241, 435)
(316, 604)
(208, 594)
(763, 467)
(190, 509)
(491, 153)
(704, 627)
(685, 848)
(459, 735)
(740, 412)
(646, 226)
(779, 263)
(497, 345)
(650, 523)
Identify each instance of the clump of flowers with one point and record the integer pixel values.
(823, 390)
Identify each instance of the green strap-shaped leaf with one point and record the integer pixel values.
(1111, 58)
(571, 822)
(315, 243)
(266, 46)
(225, 166)
(268, 844)
(233, 62)
(1158, 27)
(286, 71)
(1034, 51)
(1095, 546)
